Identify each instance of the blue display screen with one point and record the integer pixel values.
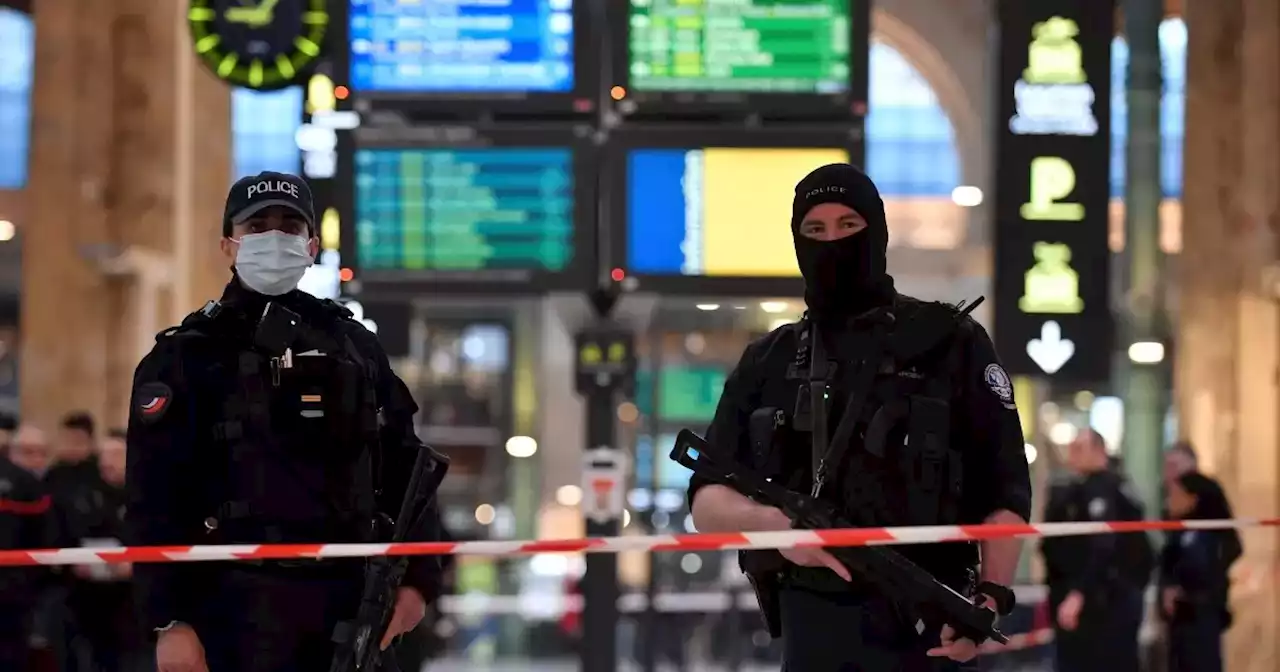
(444, 46)
(464, 209)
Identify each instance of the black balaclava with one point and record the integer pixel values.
(848, 276)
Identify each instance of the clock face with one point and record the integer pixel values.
(258, 44)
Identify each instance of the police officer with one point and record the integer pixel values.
(25, 522)
(1096, 582)
(922, 429)
(268, 417)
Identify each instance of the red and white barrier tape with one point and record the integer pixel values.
(668, 542)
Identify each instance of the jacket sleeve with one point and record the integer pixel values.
(729, 427)
(399, 447)
(997, 475)
(160, 473)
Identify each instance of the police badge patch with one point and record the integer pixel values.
(999, 383)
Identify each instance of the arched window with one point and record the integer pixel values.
(17, 52)
(262, 131)
(910, 143)
(1173, 56)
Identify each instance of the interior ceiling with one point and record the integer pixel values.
(20, 5)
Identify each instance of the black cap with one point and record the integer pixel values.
(838, 183)
(249, 195)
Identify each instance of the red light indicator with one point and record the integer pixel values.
(341, 92)
(346, 275)
(618, 275)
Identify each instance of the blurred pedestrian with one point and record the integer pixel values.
(100, 602)
(8, 424)
(1096, 582)
(23, 509)
(75, 462)
(29, 449)
(1194, 597)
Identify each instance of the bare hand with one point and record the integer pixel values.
(959, 649)
(1069, 611)
(774, 520)
(1169, 598)
(409, 611)
(178, 649)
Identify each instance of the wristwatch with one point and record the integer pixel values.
(1003, 598)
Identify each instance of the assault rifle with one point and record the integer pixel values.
(884, 568)
(357, 641)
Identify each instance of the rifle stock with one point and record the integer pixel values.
(357, 641)
(889, 571)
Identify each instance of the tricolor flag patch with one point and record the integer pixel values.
(151, 401)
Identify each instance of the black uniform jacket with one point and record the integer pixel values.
(164, 444)
(985, 426)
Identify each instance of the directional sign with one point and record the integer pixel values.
(1052, 313)
(1051, 350)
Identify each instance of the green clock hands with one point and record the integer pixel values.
(258, 16)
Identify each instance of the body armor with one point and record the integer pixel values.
(289, 438)
(891, 463)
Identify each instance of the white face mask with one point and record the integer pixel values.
(273, 262)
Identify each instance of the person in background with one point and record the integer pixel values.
(29, 449)
(100, 596)
(1194, 595)
(24, 508)
(1096, 582)
(8, 424)
(74, 456)
(1181, 459)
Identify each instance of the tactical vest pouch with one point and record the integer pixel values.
(320, 399)
(925, 461)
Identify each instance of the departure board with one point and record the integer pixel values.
(474, 209)
(751, 46)
(715, 211)
(443, 46)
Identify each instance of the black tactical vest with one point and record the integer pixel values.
(892, 463)
(290, 441)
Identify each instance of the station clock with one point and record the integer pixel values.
(258, 44)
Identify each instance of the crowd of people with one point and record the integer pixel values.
(65, 489)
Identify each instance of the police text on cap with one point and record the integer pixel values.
(273, 187)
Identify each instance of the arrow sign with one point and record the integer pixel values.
(1051, 351)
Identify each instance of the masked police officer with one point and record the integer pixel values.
(268, 417)
(1096, 582)
(922, 430)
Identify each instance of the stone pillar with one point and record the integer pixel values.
(1227, 338)
(129, 166)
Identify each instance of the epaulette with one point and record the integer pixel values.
(192, 323)
(337, 309)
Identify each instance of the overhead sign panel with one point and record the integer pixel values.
(470, 210)
(709, 213)
(789, 57)
(536, 55)
(1053, 316)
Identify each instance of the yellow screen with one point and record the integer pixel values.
(747, 194)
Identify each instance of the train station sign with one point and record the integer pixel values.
(1052, 157)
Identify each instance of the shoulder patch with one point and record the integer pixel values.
(999, 382)
(151, 401)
